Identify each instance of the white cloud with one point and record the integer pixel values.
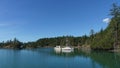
(106, 20)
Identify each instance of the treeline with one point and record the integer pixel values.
(14, 44)
(52, 42)
(45, 42)
(105, 39)
(109, 38)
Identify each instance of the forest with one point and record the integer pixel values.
(105, 39)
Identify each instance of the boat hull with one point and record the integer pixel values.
(66, 49)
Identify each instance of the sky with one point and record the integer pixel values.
(30, 20)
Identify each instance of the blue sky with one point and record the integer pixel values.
(29, 20)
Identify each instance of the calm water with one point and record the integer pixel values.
(48, 58)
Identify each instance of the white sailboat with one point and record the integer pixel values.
(57, 49)
(67, 48)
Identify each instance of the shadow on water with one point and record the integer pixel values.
(106, 59)
(102, 58)
(73, 53)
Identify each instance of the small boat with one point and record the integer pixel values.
(67, 51)
(57, 48)
(67, 48)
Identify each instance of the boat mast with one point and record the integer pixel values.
(66, 41)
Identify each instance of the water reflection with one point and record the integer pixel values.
(99, 59)
(79, 58)
(67, 51)
(49, 58)
(58, 51)
(106, 59)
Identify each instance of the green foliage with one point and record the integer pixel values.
(115, 11)
(52, 42)
(14, 44)
(106, 39)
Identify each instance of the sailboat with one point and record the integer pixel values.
(57, 49)
(67, 48)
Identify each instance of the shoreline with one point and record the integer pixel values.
(83, 47)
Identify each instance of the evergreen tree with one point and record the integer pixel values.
(108, 38)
